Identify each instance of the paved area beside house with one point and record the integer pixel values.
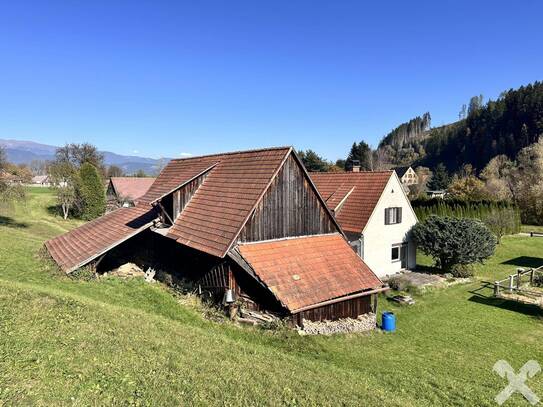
(415, 279)
(420, 279)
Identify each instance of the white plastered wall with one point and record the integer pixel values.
(378, 238)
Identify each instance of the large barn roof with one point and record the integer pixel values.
(210, 222)
(89, 241)
(221, 206)
(352, 195)
(306, 271)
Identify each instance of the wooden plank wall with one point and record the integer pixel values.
(289, 208)
(182, 196)
(346, 309)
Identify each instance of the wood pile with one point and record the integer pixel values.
(255, 317)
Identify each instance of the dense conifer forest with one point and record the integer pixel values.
(483, 131)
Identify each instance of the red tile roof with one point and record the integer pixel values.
(309, 270)
(131, 188)
(78, 247)
(355, 211)
(177, 173)
(220, 207)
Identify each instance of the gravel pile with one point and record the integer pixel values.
(363, 323)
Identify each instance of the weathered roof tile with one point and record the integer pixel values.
(308, 270)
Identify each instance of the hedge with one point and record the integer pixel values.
(459, 208)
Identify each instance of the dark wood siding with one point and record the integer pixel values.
(290, 207)
(345, 309)
(182, 196)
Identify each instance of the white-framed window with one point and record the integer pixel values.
(395, 253)
(393, 216)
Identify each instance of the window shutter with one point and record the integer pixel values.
(387, 216)
(399, 217)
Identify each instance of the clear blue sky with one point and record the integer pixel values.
(166, 78)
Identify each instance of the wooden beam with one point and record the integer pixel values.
(165, 213)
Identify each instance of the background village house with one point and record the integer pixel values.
(246, 227)
(376, 215)
(125, 191)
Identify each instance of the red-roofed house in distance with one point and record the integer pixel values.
(125, 191)
(376, 215)
(246, 227)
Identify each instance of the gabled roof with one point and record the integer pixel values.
(131, 188)
(305, 271)
(354, 211)
(221, 206)
(211, 220)
(89, 241)
(401, 171)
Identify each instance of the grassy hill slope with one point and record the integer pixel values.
(68, 342)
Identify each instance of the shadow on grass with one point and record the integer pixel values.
(11, 223)
(525, 261)
(485, 295)
(54, 210)
(509, 305)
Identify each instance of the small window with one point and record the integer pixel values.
(395, 253)
(393, 216)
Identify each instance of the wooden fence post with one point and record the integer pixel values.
(496, 289)
(511, 277)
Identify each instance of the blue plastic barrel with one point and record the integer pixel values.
(388, 321)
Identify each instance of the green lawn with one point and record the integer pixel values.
(531, 228)
(67, 342)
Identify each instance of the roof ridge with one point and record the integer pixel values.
(233, 152)
(350, 172)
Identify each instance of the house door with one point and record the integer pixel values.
(403, 255)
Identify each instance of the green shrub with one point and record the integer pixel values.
(91, 191)
(462, 271)
(454, 242)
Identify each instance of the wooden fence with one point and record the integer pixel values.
(513, 283)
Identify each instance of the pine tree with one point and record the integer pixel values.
(440, 178)
(362, 153)
(91, 192)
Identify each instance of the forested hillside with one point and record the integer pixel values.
(503, 126)
(404, 144)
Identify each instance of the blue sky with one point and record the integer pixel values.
(171, 78)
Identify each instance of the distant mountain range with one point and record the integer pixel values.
(24, 152)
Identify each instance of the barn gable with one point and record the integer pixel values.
(290, 207)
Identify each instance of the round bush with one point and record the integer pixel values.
(454, 242)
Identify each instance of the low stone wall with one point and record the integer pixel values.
(363, 323)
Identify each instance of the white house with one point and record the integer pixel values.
(374, 211)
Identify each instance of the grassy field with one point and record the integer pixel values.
(531, 228)
(67, 342)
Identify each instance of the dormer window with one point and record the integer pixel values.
(393, 216)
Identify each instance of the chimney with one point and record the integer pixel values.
(356, 166)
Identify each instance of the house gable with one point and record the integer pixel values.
(290, 207)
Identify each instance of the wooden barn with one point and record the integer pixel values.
(247, 227)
